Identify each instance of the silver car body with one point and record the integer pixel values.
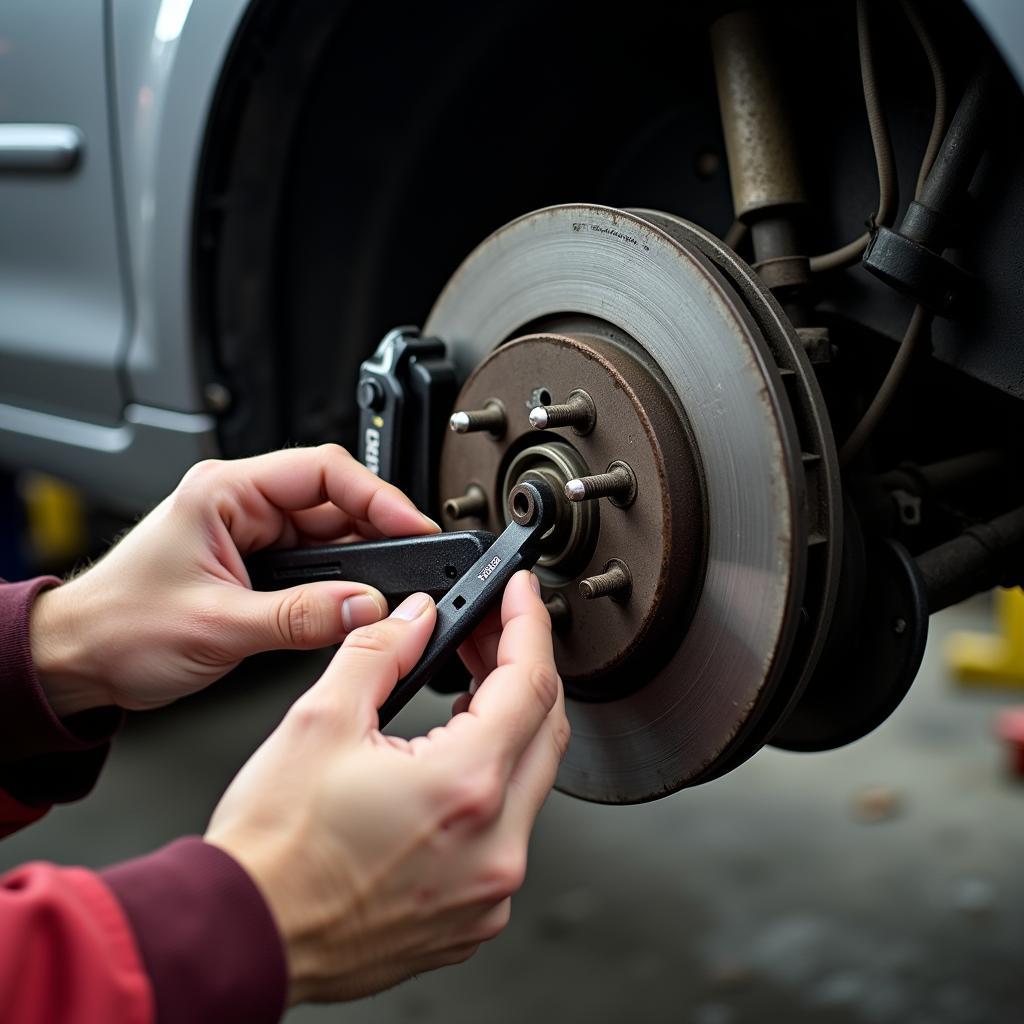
(99, 378)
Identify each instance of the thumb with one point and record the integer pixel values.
(373, 659)
(308, 616)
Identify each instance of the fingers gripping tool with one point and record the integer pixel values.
(465, 572)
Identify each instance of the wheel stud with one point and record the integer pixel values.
(619, 484)
(490, 418)
(615, 582)
(472, 503)
(578, 411)
(558, 609)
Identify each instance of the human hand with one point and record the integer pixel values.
(169, 609)
(380, 857)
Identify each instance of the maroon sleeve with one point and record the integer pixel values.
(209, 944)
(207, 941)
(43, 759)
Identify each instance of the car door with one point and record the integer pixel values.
(63, 297)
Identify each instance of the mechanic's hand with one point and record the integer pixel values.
(380, 857)
(170, 609)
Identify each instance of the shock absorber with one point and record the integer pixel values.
(767, 187)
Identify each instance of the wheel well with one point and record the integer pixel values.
(352, 162)
(354, 157)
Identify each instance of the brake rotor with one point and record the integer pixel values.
(686, 674)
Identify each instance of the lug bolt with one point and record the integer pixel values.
(615, 582)
(472, 503)
(578, 411)
(490, 418)
(558, 609)
(618, 483)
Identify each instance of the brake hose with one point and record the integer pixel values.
(916, 330)
(882, 145)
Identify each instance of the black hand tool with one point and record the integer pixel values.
(470, 569)
(532, 506)
(397, 567)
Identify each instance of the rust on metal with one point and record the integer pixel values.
(617, 483)
(489, 418)
(471, 504)
(759, 142)
(615, 582)
(627, 279)
(661, 533)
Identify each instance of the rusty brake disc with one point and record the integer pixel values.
(680, 670)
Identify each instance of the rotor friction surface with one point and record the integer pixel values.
(620, 269)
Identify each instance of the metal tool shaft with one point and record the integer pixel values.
(464, 606)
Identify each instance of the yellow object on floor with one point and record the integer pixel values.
(993, 659)
(56, 519)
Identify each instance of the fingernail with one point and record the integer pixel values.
(430, 522)
(535, 583)
(412, 607)
(359, 610)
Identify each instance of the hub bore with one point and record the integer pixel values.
(570, 542)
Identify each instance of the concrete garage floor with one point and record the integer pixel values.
(764, 897)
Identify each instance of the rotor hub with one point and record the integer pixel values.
(606, 641)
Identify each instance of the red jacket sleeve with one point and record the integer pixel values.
(67, 952)
(181, 936)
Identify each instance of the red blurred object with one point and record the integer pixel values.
(1010, 729)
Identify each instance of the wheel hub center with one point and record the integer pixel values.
(568, 544)
(623, 560)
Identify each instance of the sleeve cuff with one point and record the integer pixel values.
(28, 725)
(208, 940)
(43, 759)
